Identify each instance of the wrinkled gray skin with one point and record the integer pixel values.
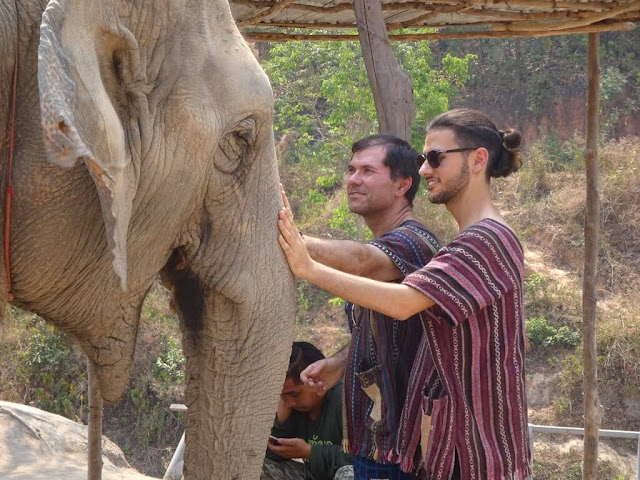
(144, 145)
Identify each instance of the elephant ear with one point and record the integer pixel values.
(80, 122)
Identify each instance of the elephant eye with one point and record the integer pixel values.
(246, 131)
(237, 146)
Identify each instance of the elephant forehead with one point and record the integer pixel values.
(201, 52)
(231, 75)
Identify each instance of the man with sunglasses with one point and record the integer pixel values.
(382, 180)
(466, 414)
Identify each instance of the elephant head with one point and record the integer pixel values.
(157, 156)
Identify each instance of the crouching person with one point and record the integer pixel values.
(308, 427)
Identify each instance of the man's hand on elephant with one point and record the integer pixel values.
(291, 448)
(323, 374)
(285, 200)
(293, 245)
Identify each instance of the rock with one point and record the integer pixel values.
(37, 445)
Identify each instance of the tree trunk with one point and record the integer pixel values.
(391, 85)
(592, 407)
(94, 431)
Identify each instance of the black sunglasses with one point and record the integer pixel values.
(433, 156)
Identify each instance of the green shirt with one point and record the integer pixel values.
(324, 434)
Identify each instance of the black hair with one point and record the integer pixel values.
(402, 160)
(474, 129)
(303, 354)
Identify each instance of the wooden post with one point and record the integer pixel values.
(391, 85)
(94, 431)
(592, 407)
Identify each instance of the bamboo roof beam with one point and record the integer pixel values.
(513, 15)
(273, 10)
(413, 37)
(587, 20)
(498, 17)
(343, 7)
(421, 18)
(542, 4)
(420, 6)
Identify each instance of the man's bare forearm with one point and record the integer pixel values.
(340, 357)
(353, 257)
(339, 254)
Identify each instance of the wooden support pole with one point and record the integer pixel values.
(94, 432)
(592, 407)
(391, 85)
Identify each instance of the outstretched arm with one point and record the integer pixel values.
(325, 373)
(349, 256)
(393, 300)
(357, 258)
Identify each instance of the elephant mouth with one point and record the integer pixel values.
(187, 290)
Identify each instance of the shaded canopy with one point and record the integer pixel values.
(274, 20)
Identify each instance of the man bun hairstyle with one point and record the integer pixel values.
(473, 128)
(303, 354)
(401, 159)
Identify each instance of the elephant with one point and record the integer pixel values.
(144, 147)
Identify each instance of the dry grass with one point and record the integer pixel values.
(559, 457)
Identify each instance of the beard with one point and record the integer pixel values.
(456, 185)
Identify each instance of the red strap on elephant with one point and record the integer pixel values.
(9, 190)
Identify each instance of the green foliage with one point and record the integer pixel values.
(563, 156)
(613, 102)
(328, 182)
(170, 364)
(434, 85)
(566, 337)
(611, 84)
(315, 197)
(568, 397)
(56, 376)
(533, 183)
(536, 284)
(539, 331)
(310, 298)
(343, 219)
(547, 154)
(542, 334)
(322, 95)
(336, 302)
(46, 349)
(541, 299)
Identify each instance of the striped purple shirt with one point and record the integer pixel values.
(382, 353)
(468, 399)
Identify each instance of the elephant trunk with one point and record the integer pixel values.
(235, 374)
(237, 315)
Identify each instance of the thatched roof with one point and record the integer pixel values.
(310, 19)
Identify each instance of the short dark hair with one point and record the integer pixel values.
(473, 129)
(402, 160)
(303, 354)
